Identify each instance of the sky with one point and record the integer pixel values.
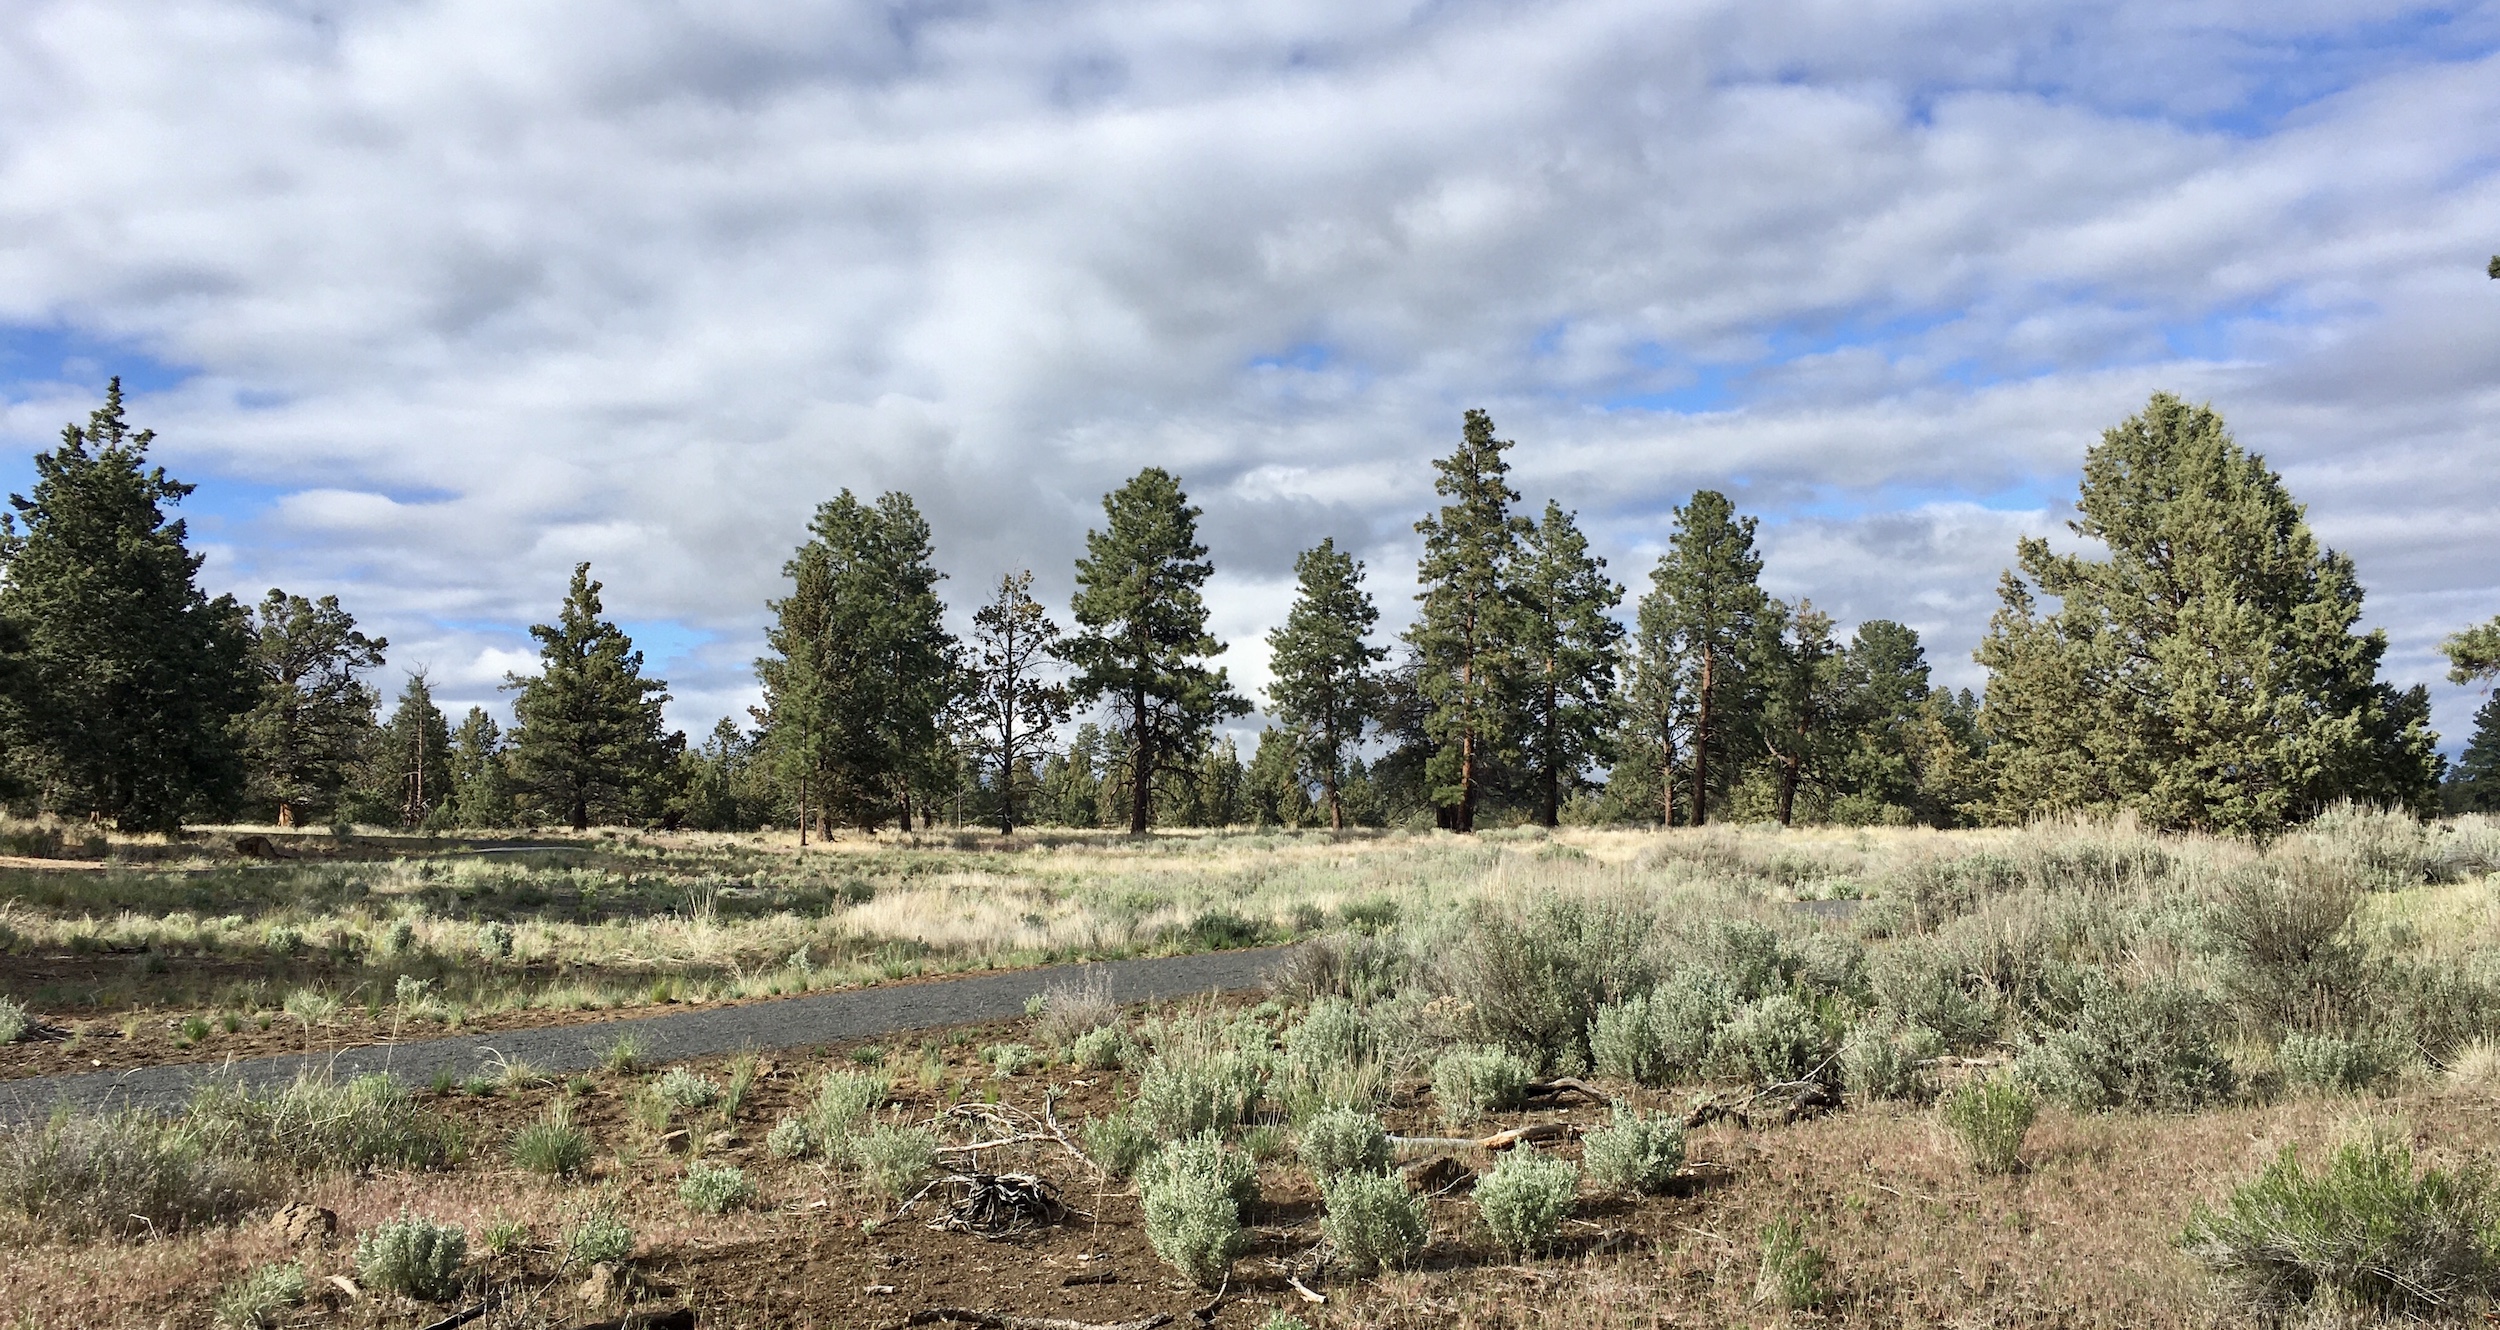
(434, 299)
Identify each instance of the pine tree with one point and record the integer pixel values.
(132, 676)
(481, 788)
(863, 669)
(1144, 633)
(2206, 674)
(1567, 644)
(1884, 684)
(307, 735)
(1010, 711)
(1703, 609)
(2475, 784)
(589, 740)
(1466, 637)
(411, 766)
(1325, 688)
(1801, 690)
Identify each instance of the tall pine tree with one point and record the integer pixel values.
(589, 742)
(863, 669)
(2205, 674)
(1466, 637)
(1802, 697)
(1010, 710)
(1704, 606)
(132, 677)
(481, 786)
(1567, 647)
(307, 734)
(411, 764)
(1144, 633)
(1326, 688)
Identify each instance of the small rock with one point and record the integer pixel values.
(300, 1222)
(675, 1140)
(605, 1283)
(346, 1286)
(720, 1140)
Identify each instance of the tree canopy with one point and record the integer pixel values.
(1326, 689)
(590, 740)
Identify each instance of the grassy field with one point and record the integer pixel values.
(1857, 1077)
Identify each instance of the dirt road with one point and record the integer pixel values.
(821, 1018)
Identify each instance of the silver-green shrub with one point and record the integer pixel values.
(1777, 1041)
(1883, 1058)
(599, 1237)
(1524, 1199)
(365, 1123)
(1181, 1095)
(1117, 1145)
(2150, 1046)
(2334, 1064)
(413, 1255)
(14, 1022)
(1469, 1082)
(1372, 1220)
(1333, 1033)
(714, 1189)
(682, 1089)
(1194, 1190)
(126, 1174)
(1105, 1048)
(789, 1139)
(1635, 1152)
(1342, 1140)
(892, 1160)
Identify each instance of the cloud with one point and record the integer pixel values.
(473, 292)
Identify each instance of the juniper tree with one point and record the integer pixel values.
(2206, 674)
(589, 739)
(1801, 693)
(1011, 711)
(1466, 636)
(1704, 606)
(132, 678)
(1567, 645)
(1326, 687)
(411, 764)
(306, 735)
(862, 670)
(1144, 638)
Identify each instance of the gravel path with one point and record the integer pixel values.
(821, 1018)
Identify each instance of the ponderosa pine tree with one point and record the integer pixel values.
(1010, 710)
(589, 741)
(1567, 646)
(132, 677)
(2474, 785)
(1884, 686)
(863, 669)
(306, 736)
(2205, 674)
(1466, 637)
(1801, 690)
(1700, 617)
(1144, 633)
(1326, 687)
(410, 769)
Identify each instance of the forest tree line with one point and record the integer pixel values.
(2199, 664)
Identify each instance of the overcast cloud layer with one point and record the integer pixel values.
(436, 299)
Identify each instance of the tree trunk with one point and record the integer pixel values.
(1788, 789)
(581, 814)
(1336, 810)
(1666, 776)
(1701, 743)
(1007, 760)
(286, 815)
(1140, 769)
(1549, 813)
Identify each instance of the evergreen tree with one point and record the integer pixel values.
(411, 764)
(1145, 633)
(589, 740)
(306, 736)
(1567, 645)
(1656, 712)
(1884, 683)
(1071, 783)
(721, 790)
(1704, 607)
(481, 789)
(132, 676)
(1325, 688)
(1466, 637)
(863, 668)
(1802, 697)
(2474, 654)
(2206, 674)
(2474, 787)
(1272, 784)
(1010, 711)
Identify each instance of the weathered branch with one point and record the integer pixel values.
(1002, 1321)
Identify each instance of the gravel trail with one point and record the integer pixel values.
(819, 1018)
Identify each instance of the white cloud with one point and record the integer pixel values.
(485, 290)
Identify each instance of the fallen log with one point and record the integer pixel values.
(1500, 1140)
(1563, 1085)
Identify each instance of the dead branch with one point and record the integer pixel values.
(993, 1204)
(1563, 1085)
(1500, 1140)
